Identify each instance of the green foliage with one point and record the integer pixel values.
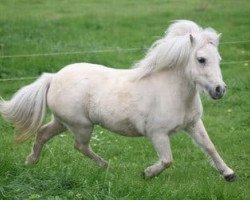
(51, 26)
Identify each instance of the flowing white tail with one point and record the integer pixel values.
(27, 108)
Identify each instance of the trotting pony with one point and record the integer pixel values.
(157, 97)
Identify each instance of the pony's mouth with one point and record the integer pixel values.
(214, 90)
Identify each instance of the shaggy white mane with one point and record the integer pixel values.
(175, 47)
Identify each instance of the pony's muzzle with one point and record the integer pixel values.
(218, 91)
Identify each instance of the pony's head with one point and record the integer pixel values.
(203, 65)
(190, 49)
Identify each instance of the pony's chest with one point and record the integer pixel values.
(193, 113)
(175, 116)
(184, 120)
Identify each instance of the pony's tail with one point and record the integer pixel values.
(27, 108)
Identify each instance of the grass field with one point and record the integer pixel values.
(53, 26)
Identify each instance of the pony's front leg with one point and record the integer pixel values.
(162, 146)
(199, 134)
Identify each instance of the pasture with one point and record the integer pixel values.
(44, 36)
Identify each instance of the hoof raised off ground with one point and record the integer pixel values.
(231, 177)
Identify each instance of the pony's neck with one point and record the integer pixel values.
(176, 81)
(166, 53)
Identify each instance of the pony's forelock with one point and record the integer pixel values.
(211, 36)
(181, 28)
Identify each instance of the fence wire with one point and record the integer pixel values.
(110, 50)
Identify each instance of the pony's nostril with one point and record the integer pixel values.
(218, 89)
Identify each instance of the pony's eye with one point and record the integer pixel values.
(201, 60)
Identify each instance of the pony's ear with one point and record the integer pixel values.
(219, 35)
(191, 37)
(218, 39)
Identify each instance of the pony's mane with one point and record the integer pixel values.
(174, 48)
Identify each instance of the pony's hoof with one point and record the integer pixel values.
(231, 177)
(143, 175)
(104, 165)
(30, 160)
(147, 174)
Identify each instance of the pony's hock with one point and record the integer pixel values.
(156, 98)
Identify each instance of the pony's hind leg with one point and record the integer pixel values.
(46, 132)
(82, 139)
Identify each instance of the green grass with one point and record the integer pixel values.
(46, 26)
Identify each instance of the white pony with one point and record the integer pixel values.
(157, 97)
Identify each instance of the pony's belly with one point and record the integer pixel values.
(123, 127)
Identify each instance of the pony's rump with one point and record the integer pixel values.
(27, 108)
